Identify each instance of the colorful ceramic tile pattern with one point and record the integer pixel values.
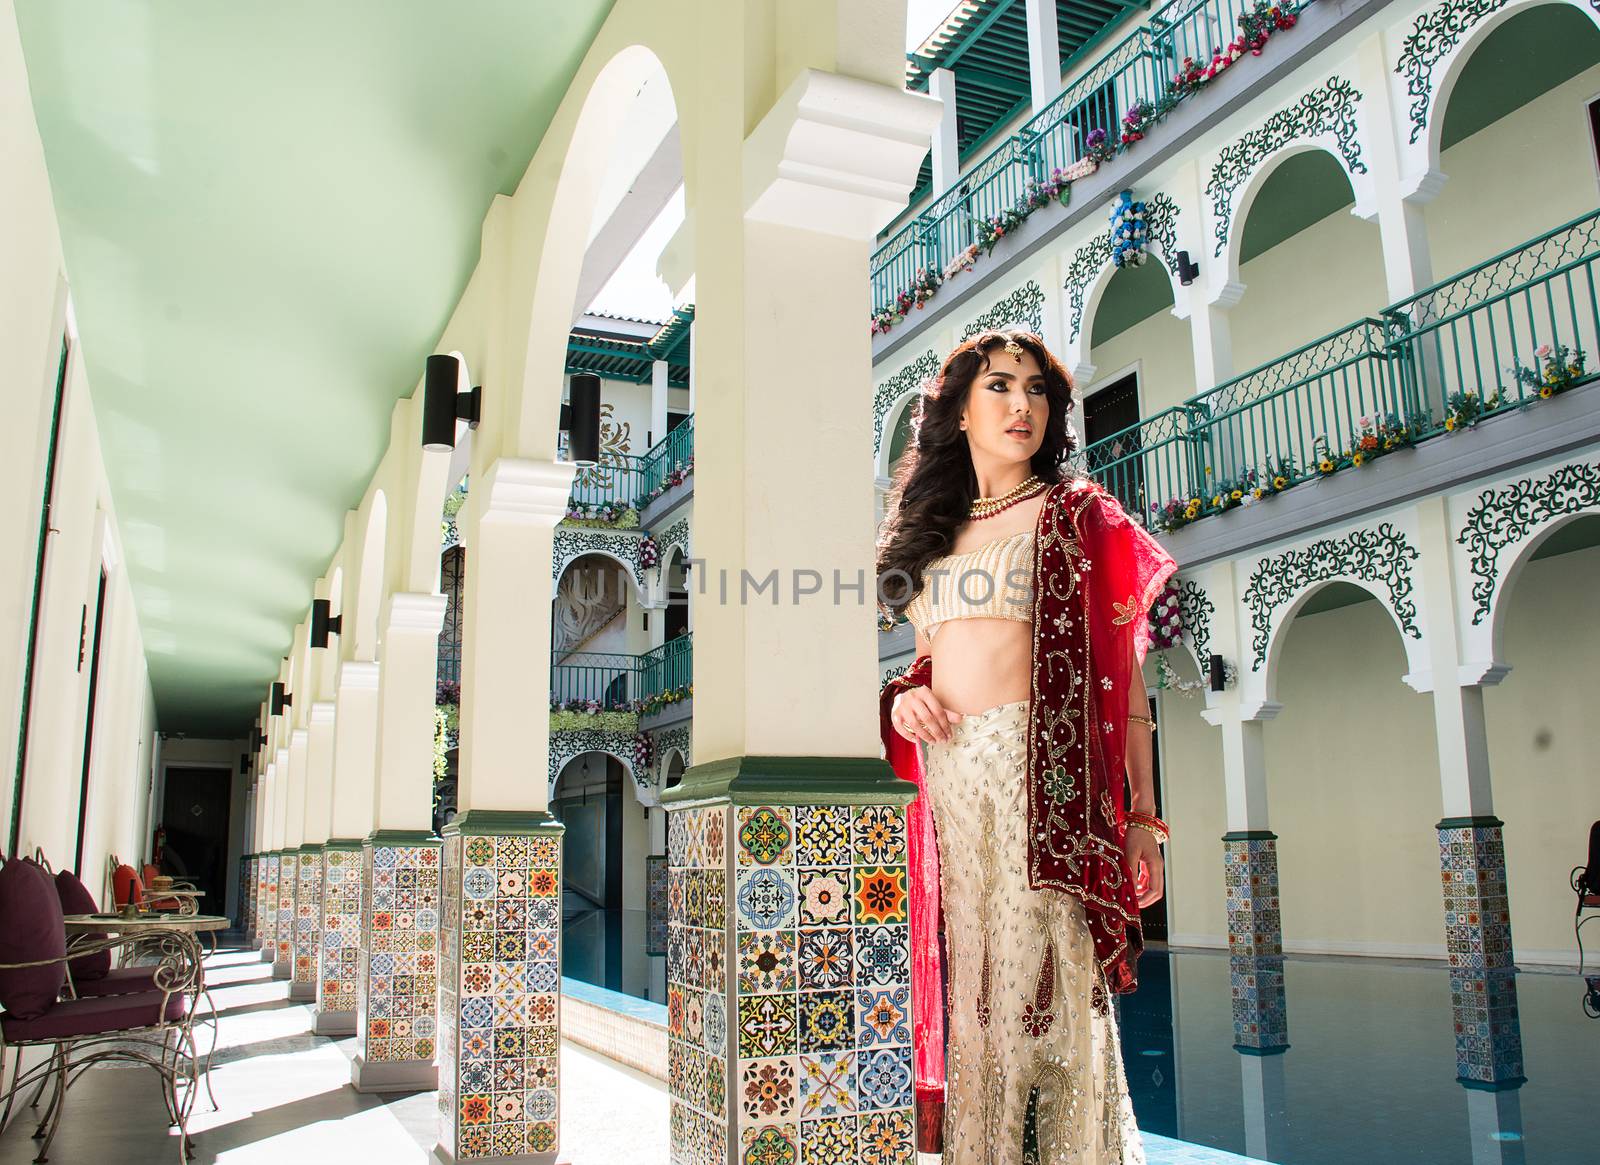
(341, 931)
(819, 1022)
(1260, 1011)
(308, 918)
(655, 904)
(500, 995)
(1250, 871)
(288, 883)
(247, 904)
(398, 985)
(1477, 923)
(268, 907)
(700, 1027)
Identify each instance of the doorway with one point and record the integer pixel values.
(195, 813)
(1113, 411)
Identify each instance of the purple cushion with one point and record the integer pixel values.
(87, 1017)
(122, 981)
(75, 898)
(30, 931)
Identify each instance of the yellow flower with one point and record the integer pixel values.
(1280, 482)
(1237, 494)
(1449, 424)
(1208, 469)
(1388, 442)
(1257, 492)
(1216, 500)
(1325, 465)
(1546, 392)
(1357, 459)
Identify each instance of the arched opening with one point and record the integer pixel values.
(1540, 751)
(1513, 133)
(1308, 264)
(590, 612)
(1143, 354)
(601, 934)
(1352, 781)
(675, 619)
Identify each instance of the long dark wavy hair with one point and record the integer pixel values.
(935, 483)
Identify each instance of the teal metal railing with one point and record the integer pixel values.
(614, 679)
(610, 678)
(1484, 341)
(669, 666)
(1137, 70)
(628, 478)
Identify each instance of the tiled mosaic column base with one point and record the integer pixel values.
(398, 981)
(788, 975)
(267, 908)
(339, 954)
(1260, 1010)
(307, 923)
(1250, 872)
(247, 898)
(1477, 924)
(288, 885)
(500, 989)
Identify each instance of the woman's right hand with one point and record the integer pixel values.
(917, 715)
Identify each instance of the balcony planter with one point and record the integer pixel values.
(666, 715)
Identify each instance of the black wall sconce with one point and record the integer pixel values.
(261, 739)
(443, 404)
(582, 419)
(323, 622)
(1187, 269)
(244, 764)
(1218, 674)
(280, 698)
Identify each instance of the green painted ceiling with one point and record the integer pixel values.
(269, 211)
(1527, 56)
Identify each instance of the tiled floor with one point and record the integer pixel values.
(284, 1096)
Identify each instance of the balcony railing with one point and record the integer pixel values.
(1496, 337)
(616, 680)
(630, 479)
(1137, 70)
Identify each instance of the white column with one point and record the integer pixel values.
(408, 668)
(280, 816)
(658, 401)
(1044, 52)
(295, 826)
(355, 742)
(1407, 264)
(319, 773)
(946, 143)
(694, 349)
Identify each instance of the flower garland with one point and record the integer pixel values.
(1166, 618)
(446, 736)
(1129, 237)
(611, 720)
(613, 515)
(1168, 680)
(1248, 488)
(644, 755)
(923, 286)
(1555, 370)
(659, 700)
(649, 552)
(676, 476)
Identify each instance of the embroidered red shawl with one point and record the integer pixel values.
(1096, 574)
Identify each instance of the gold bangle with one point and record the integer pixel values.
(1145, 720)
(1159, 834)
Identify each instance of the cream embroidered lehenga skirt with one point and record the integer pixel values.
(1033, 1069)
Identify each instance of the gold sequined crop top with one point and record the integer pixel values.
(994, 581)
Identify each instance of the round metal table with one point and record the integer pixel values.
(144, 920)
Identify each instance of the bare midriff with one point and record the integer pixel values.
(981, 662)
(978, 663)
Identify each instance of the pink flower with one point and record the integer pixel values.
(1544, 350)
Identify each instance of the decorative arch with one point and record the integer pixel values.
(1431, 58)
(674, 740)
(1023, 306)
(369, 580)
(588, 151)
(895, 390)
(1503, 528)
(567, 746)
(1378, 560)
(432, 485)
(1324, 118)
(622, 547)
(1091, 271)
(673, 541)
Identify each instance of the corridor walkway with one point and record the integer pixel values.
(285, 1096)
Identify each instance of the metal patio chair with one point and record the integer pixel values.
(1586, 883)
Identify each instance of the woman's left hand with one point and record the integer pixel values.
(1140, 847)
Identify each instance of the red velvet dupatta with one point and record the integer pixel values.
(1096, 574)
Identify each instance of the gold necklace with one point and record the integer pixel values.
(988, 507)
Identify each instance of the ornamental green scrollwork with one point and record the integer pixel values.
(676, 737)
(675, 536)
(1433, 34)
(1196, 609)
(1161, 225)
(924, 367)
(1501, 518)
(1328, 109)
(621, 545)
(1382, 557)
(1024, 306)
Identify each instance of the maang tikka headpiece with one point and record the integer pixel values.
(1014, 348)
